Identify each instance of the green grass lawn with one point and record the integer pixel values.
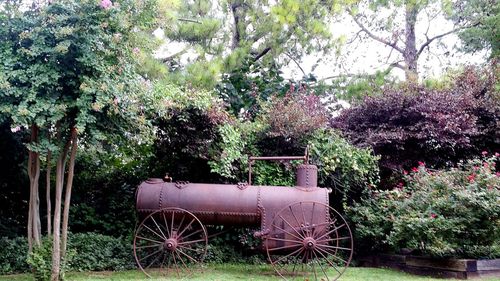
(227, 272)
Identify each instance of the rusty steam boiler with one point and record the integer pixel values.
(302, 236)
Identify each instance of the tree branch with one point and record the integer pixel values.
(261, 54)
(373, 36)
(297, 63)
(429, 40)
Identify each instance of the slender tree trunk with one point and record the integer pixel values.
(56, 233)
(67, 197)
(47, 193)
(34, 229)
(410, 51)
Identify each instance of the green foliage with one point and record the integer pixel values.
(97, 252)
(483, 17)
(72, 64)
(272, 173)
(228, 35)
(40, 261)
(230, 148)
(234, 246)
(440, 213)
(342, 166)
(13, 255)
(86, 252)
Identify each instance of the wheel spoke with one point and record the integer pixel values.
(321, 266)
(312, 219)
(334, 239)
(153, 261)
(293, 214)
(166, 225)
(192, 233)
(332, 254)
(182, 260)
(153, 253)
(286, 240)
(175, 264)
(291, 234)
(188, 256)
(284, 257)
(147, 246)
(190, 223)
(147, 227)
(335, 247)
(151, 240)
(314, 268)
(328, 261)
(294, 229)
(284, 247)
(331, 231)
(180, 224)
(172, 227)
(191, 242)
(153, 218)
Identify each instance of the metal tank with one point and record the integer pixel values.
(296, 224)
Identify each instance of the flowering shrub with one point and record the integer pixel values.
(440, 126)
(439, 213)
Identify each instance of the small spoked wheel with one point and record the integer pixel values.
(309, 241)
(171, 239)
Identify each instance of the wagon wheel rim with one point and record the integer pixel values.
(311, 248)
(170, 239)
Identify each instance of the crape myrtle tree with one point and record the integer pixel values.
(68, 78)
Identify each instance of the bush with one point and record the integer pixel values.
(86, 252)
(13, 255)
(345, 168)
(96, 252)
(453, 213)
(40, 261)
(416, 123)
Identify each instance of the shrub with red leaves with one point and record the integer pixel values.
(439, 127)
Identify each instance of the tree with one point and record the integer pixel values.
(68, 74)
(220, 37)
(484, 17)
(394, 25)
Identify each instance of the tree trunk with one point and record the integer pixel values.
(56, 240)
(67, 197)
(410, 51)
(47, 194)
(34, 229)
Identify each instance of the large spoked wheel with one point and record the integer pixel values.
(171, 239)
(309, 241)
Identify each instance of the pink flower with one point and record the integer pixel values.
(497, 154)
(405, 172)
(433, 215)
(486, 165)
(136, 50)
(106, 4)
(15, 129)
(497, 174)
(471, 178)
(484, 153)
(475, 168)
(414, 169)
(420, 163)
